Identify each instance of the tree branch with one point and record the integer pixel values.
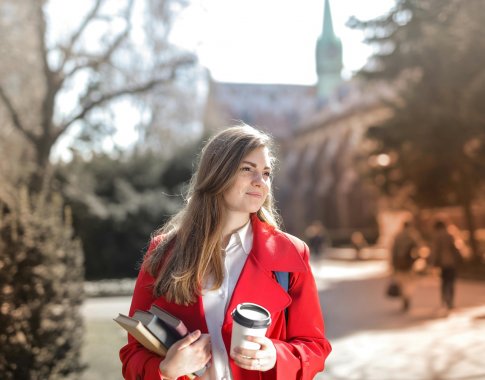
(41, 25)
(15, 117)
(77, 34)
(51, 79)
(96, 61)
(104, 98)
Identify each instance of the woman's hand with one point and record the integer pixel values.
(187, 355)
(257, 360)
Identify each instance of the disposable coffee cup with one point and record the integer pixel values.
(249, 319)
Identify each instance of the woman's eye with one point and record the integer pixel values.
(246, 169)
(267, 174)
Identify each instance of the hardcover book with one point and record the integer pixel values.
(141, 334)
(170, 320)
(165, 334)
(156, 330)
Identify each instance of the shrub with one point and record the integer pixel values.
(117, 202)
(41, 289)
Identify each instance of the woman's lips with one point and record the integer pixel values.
(258, 195)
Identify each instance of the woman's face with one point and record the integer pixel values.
(252, 183)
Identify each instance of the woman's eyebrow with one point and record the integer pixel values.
(254, 165)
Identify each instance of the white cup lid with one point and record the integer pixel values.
(251, 315)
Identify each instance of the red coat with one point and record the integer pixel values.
(300, 343)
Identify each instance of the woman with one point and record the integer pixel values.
(220, 250)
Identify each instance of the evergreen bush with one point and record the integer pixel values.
(117, 202)
(41, 289)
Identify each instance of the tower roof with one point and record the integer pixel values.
(327, 30)
(328, 56)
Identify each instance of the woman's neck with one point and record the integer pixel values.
(232, 222)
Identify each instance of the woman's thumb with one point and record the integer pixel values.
(189, 339)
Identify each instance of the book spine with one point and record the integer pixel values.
(181, 329)
(171, 321)
(162, 332)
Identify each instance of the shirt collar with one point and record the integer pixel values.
(243, 237)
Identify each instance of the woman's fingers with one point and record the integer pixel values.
(251, 363)
(187, 355)
(189, 339)
(260, 360)
(261, 340)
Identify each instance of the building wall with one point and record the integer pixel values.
(318, 146)
(275, 108)
(319, 178)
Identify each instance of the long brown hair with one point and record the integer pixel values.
(190, 248)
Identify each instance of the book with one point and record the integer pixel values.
(175, 324)
(141, 334)
(165, 334)
(170, 320)
(153, 333)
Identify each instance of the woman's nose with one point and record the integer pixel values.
(257, 178)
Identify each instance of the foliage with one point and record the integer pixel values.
(53, 85)
(430, 51)
(41, 282)
(81, 80)
(436, 137)
(118, 202)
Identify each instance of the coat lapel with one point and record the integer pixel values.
(271, 251)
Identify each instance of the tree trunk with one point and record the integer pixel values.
(466, 202)
(42, 148)
(470, 224)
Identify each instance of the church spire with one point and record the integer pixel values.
(327, 29)
(328, 56)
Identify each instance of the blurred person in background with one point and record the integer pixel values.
(403, 254)
(316, 237)
(223, 248)
(358, 241)
(446, 256)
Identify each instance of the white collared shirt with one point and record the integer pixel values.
(215, 301)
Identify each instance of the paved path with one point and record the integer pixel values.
(371, 338)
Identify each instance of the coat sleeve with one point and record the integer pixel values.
(302, 354)
(138, 363)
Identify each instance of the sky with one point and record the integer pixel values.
(247, 41)
(270, 41)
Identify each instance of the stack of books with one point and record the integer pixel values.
(155, 329)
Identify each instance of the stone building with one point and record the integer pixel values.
(320, 178)
(319, 131)
(328, 57)
(276, 108)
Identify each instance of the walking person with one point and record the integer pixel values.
(358, 242)
(447, 257)
(402, 258)
(222, 249)
(316, 238)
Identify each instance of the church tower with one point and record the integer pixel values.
(328, 57)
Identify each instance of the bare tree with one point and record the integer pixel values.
(51, 84)
(92, 75)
